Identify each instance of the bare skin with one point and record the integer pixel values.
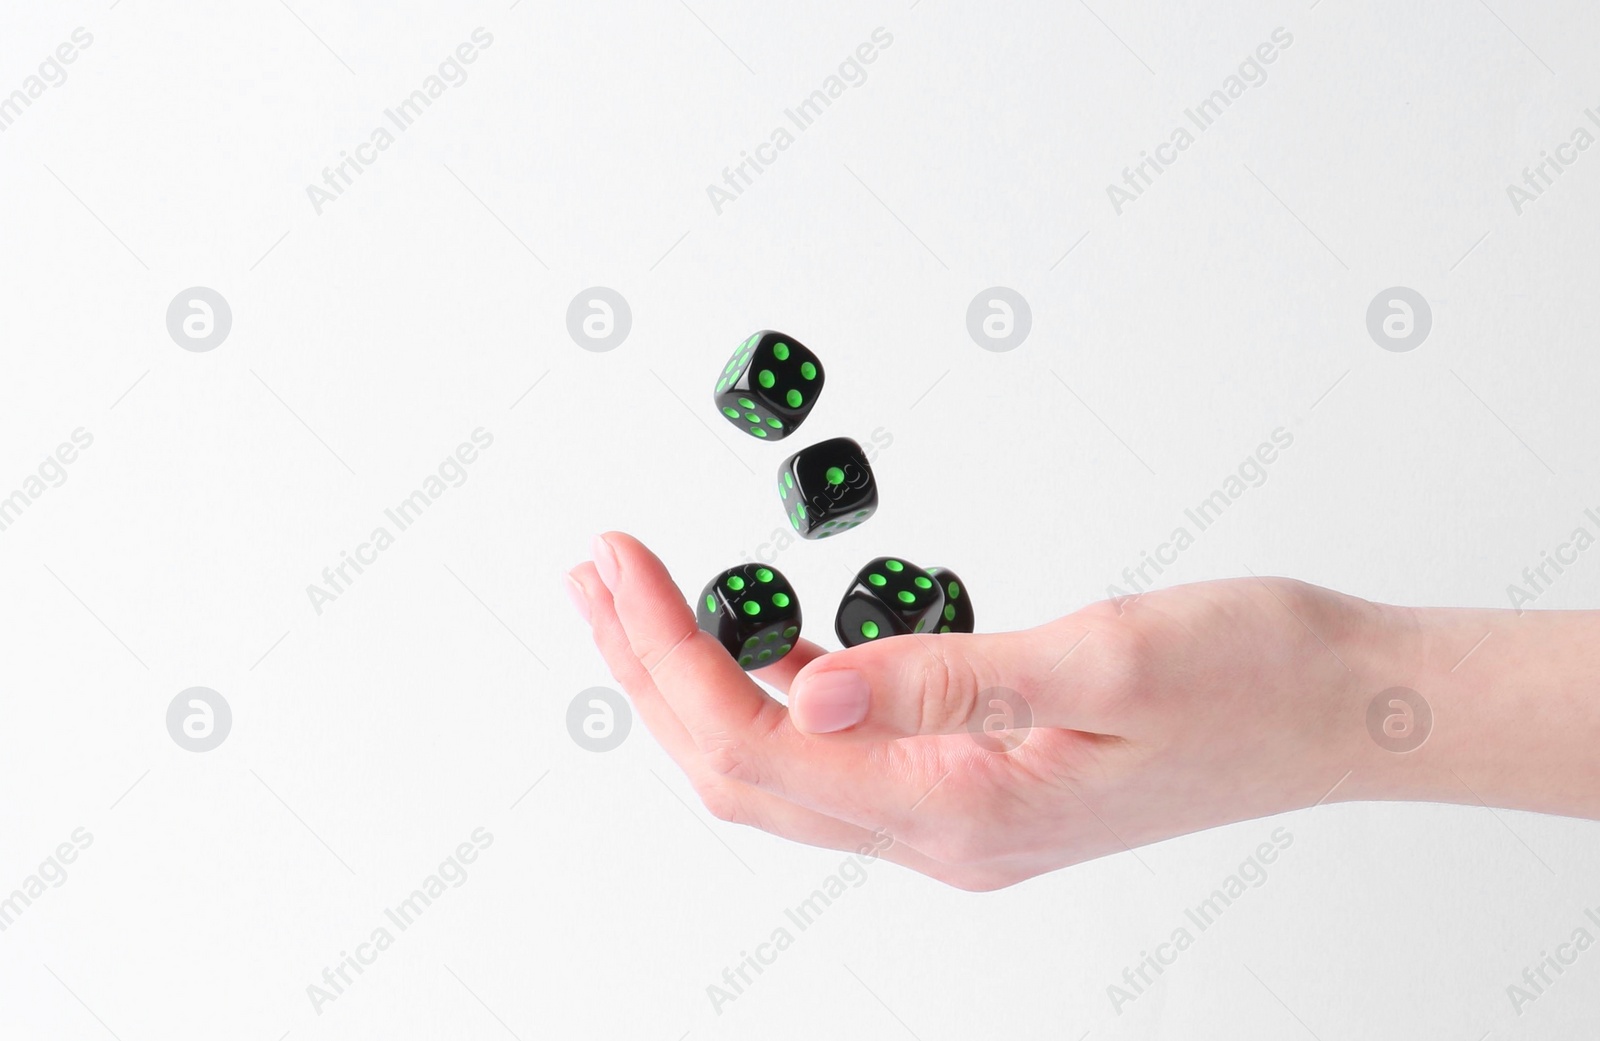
(1169, 713)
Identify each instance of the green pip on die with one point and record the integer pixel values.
(827, 488)
(770, 385)
(889, 597)
(753, 612)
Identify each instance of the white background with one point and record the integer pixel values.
(369, 340)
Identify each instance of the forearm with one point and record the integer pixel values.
(1515, 703)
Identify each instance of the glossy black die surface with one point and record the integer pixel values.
(889, 597)
(752, 611)
(827, 488)
(769, 385)
(957, 615)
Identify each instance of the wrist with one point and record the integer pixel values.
(1478, 707)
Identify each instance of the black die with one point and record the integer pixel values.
(752, 611)
(827, 488)
(890, 597)
(957, 616)
(769, 385)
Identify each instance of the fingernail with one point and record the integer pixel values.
(580, 599)
(831, 701)
(605, 561)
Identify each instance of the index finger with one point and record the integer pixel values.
(742, 732)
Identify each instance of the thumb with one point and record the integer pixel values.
(944, 684)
